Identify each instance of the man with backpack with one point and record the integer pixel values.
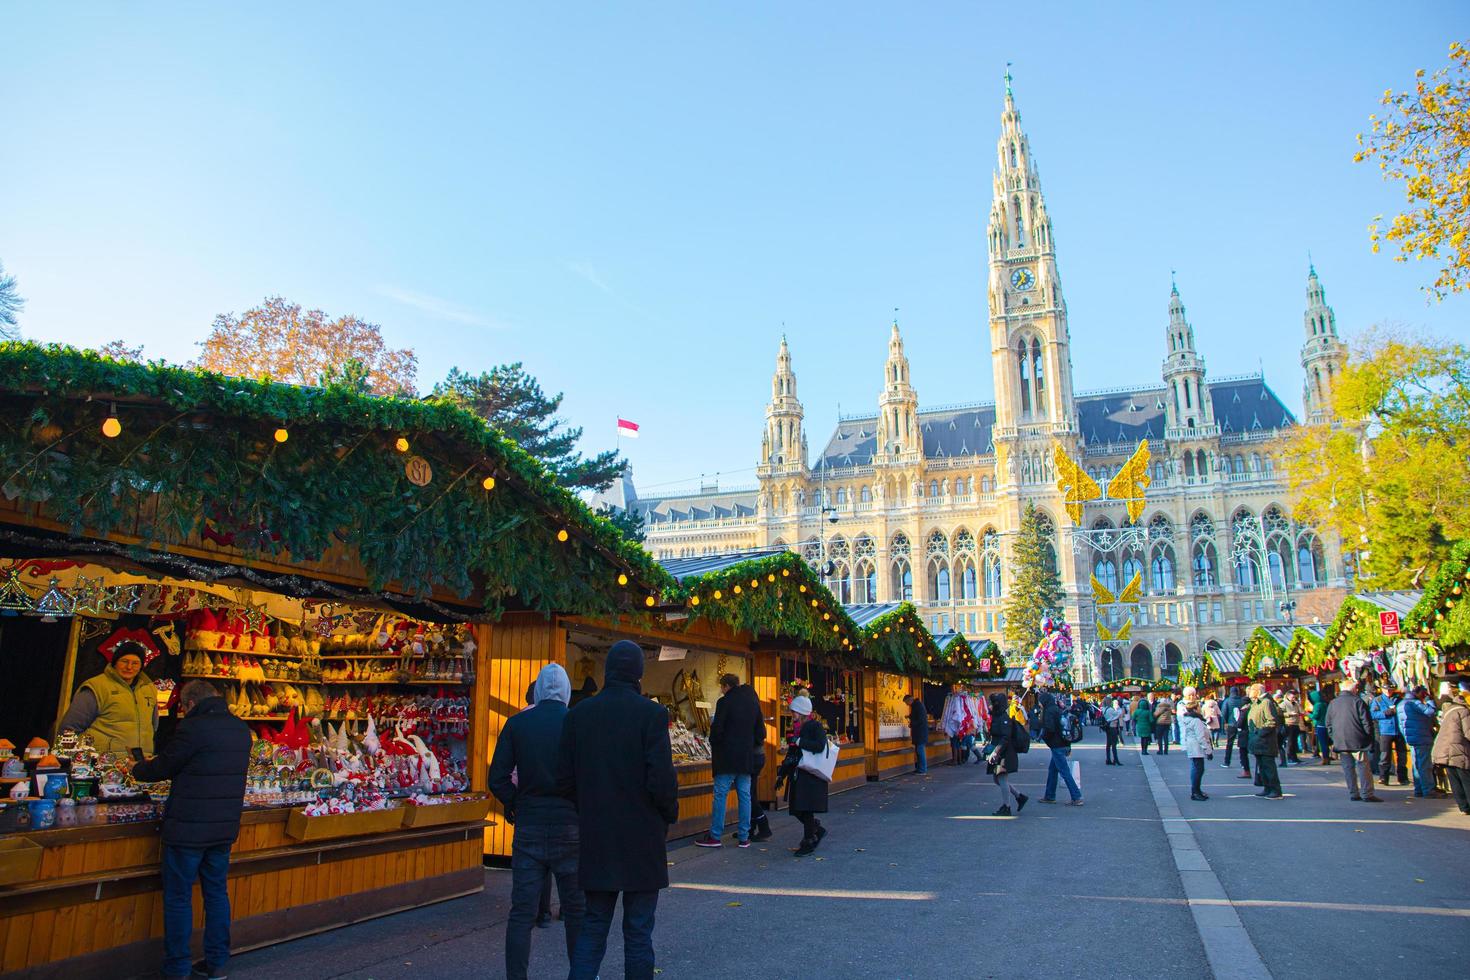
(1054, 735)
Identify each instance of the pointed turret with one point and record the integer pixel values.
(1187, 406)
(1324, 355)
(898, 406)
(783, 444)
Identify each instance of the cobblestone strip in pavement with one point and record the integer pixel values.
(1228, 947)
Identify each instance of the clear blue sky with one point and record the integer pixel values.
(632, 199)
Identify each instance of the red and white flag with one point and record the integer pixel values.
(627, 430)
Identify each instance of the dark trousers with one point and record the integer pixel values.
(921, 757)
(1288, 737)
(535, 853)
(1112, 747)
(1237, 736)
(809, 824)
(1393, 757)
(1163, 735)
(1459, 786)
(1143, 741)
(1324, 744)
(181, 866)
(638, 913)
(1196, 773)
(1266, 769)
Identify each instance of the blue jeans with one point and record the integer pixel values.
(181, 866)
(536, 853)
(1423, 768)
(921, 757)
(638, 910)
(723, 781)
(1060, 764)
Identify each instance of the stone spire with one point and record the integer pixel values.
(784, 443)
(898, 406)
(1187, 402)
(1324, 355)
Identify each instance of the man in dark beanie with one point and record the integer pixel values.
(617, 768)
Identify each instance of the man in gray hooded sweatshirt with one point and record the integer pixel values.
(523, 778)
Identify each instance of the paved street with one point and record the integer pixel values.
(916, 880)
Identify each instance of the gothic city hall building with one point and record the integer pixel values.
(908, 503)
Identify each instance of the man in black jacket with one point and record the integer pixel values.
(1060, 748)
(918, 732)
(1350, 728)
(206, 757)
(616, 766)
(735, 731)
(1234, 710)
(523, 779)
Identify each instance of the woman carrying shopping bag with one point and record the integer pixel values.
(806, 794)
(1001, 752)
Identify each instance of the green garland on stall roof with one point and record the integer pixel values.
(1355, 628)
(197, 454)
(1113, 687)
(776, 605)
(888, 642)
(1453, 631)
(1444, 592)
(1187, 678)
(1304, 644)
(1260, 645)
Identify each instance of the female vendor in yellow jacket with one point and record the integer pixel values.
(118, 707)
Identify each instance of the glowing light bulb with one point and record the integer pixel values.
(561, 535)
(282, 435)
(112, 428)
(488, 483)
(622, 579)
(401, 445)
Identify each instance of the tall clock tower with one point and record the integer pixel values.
(1029, 345)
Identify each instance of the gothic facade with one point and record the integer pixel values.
(916, 504)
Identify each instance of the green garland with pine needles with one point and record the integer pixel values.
(1440, 612)
(777, 595)
(199, 452)
(898, 639)
(1260, 645)
(1353, 629)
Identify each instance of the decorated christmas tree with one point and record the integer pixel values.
(1035, 590)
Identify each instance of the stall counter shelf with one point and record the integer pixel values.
(94, 906)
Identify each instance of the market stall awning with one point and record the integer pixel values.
(894, 636)
(1401, 601)
(1441, 615)
(1357, 627)
(1228, 661)
(685, 568)
(864, 613)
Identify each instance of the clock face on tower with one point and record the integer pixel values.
(1022, 279)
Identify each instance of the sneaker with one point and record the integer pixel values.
(1242, 775)
(743, 844)
(1224, 765)
(708, 840)
(1004, 811)
(1274, 796)
(1076, 802)
(1263, 794)
(203, 969)
(1021, 802)
(1047, 800)
(1370, 798)
(1356, 798)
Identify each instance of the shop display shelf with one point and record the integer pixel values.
(20, 859)
(465, 811)
(303, 828)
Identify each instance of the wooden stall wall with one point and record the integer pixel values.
(765, 677)
(519, 646)
(96, 906)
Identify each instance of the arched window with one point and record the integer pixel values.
(844, 583)
(865, 584)
(1245, 573)
(1189, 464)
(1107, 574)
(1200, 466)
(1172, 660)
(1025, 380)
(968, 585)
(842, 495)
(1240, 465)
(933, 488)
(1013, 155)
(1049, 531)
(865, 495)
(1141, 662)
(903, 582)
(1020, 225)
(1206, 571)
(1112, 664)
(1038, 372)
(1310, 570)
(939, 583)
(1161, 570)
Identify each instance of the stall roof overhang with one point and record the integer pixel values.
(864, 613)
(1401, 601)
(196, 447)
(686, 568)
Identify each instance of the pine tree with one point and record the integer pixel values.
(10, 306)
(512, 401)
(1035, 589)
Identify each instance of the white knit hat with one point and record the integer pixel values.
(801, 705)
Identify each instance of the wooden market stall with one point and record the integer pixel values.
(897, 651)
(1440, 618)
(318, 555)
(761, 615)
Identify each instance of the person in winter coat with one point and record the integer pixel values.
(1112, 724)
(735, 730)
(1210, 711)
(918, 732)
(806, 795)
(206, 758)
(1235, 711)
(1264, 722)
(1320, 701)
(1452, 745)
(1194, 738)
(546, 840)
(1060, 749)
(1163, 722)
(1291, 710)
(1350, 727)
(1001, 758)
(1393, 751)
(1143, 724)
(616, 766)
(1416, 721)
